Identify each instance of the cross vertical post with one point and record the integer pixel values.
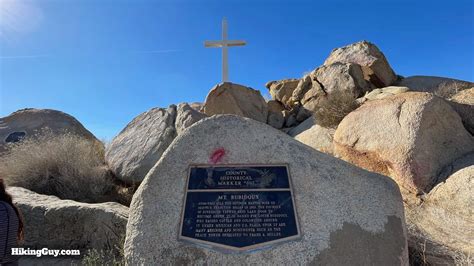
(224, 44)
(225, 66)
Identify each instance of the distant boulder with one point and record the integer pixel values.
(30, 122)
(382, 93)
(186, 116)
(282, 90)
(229, 98)
(443, 87)
(409, 137)
(196, 105)
(374, 65)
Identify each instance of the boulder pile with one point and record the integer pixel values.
(354, 133)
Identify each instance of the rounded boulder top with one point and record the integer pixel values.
(29, 122)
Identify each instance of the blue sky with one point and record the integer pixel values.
(106, 61)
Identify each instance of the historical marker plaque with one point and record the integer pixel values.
(238, 207)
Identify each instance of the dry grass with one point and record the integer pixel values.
(424, 250)
(67, 166)
(113, 256)
(334, 108)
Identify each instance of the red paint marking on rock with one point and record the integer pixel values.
(217, 155)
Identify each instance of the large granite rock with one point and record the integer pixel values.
(443, 87)
(134, 151)
(347, 215)
(29, 122)
(55, 223)
(329, 81)
(340, 77)
(445, 217)
(282, 90)
(229, 98)
(410, 137)
(373, 62)
(463, 103)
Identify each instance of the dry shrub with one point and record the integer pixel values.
(448, 89)
(67, 166)
(333, 108)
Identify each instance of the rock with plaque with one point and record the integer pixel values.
(238, 208)
(234, 191)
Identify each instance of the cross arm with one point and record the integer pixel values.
(236, 43)
(213, 44)
(223, 43)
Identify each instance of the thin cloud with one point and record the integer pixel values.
(157, 51)
(48, 55)
(18, 17)
(23, 56)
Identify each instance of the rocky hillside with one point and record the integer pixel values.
(416, 130)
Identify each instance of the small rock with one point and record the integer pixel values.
(291, 120)
(302, 114)
(304, 85)
(318, 138)
(305, 125)
(275, 115)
